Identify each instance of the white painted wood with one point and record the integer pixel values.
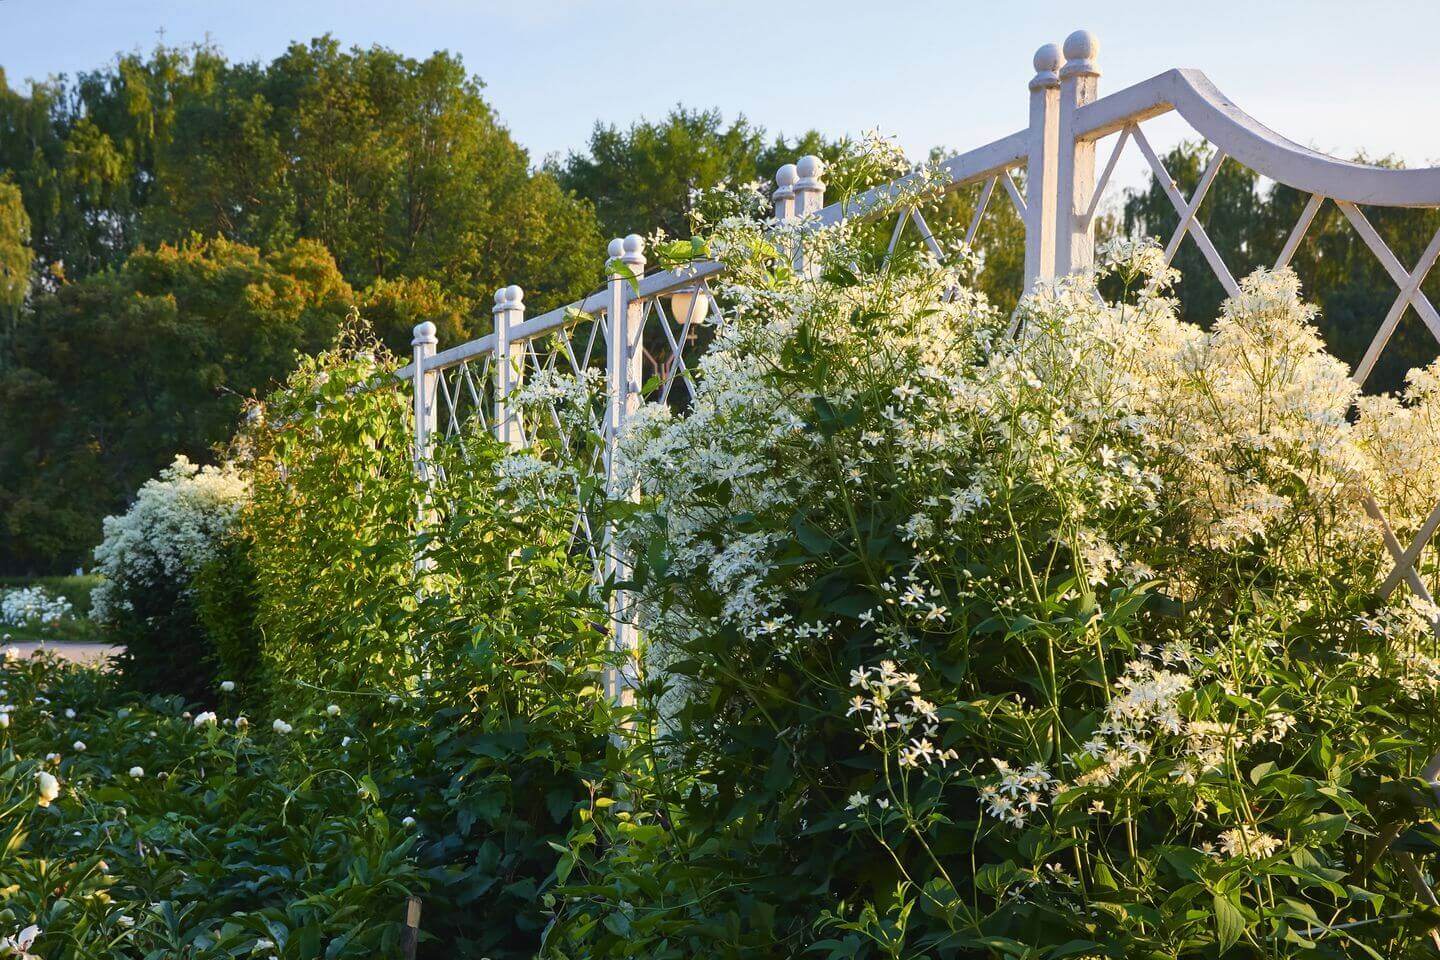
(1041, 167)
(624, 316)
(980, 203)
(1187, 216)
(784, 195)
(1105, 176)
(1292, 242)
(1216, 118)
(1202, 240)
(1015, 198)
(968, 167)
(809, 186)
(1403, 278)
(1079, 81)
(509, 311)
(1409, 296)
(423, 393)
(1412, 553)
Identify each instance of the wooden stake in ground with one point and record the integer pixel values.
(411, 937)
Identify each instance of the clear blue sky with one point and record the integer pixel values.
(1338, 76)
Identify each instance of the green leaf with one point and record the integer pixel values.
(1229, 922)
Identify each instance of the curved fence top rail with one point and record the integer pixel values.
(1217, 118)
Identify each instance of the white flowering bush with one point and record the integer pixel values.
(32, 606)
(175, 539)
(170, 531)
(1066, 642)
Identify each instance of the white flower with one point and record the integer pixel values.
(227, 686)
(19, 945)
(857, 800)
(137, 772)
(333, 710)
(206, 719)
(408, 822)
(241, 722)
(48, 787)
(79, 746)
(69, 713)
(125, 920)
(1247, 841)
(280, 726)
(4, 719)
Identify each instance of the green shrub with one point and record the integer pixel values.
(179, 836)
(476, 675)
(331, 522)
(226, 602)
(1061, 644)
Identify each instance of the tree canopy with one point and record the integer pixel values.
(398, 166)
(641, 178)
(117, 373)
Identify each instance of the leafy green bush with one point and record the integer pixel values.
(163, 834)
(1060, 644)
(226, 602)
(472, 641)
(334, 501)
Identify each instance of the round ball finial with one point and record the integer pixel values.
(634, 245)
(1081, 49)
(786, 176)
(810, 169)
(424, 333)
(616, 248)
(1047, 64)
(1047, 58)
(509, 298)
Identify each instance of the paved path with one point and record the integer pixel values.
(78, 652)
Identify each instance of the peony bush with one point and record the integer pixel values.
(32, 606)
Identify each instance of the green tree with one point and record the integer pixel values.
(640, 179)
(397, 165)
(117, 373)
(15, 259)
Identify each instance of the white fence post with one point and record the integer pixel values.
(423, 389)
(509, 366)
(809, 186)
(809, 199)
(1041, 173)
(623, 373)
(784, 195)
(1079, 81)
(423, 385)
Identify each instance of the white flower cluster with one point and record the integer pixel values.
(1018, 793)
(172, 529)
(893, 715)
(29, 606)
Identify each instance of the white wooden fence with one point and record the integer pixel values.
(1057, 149)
